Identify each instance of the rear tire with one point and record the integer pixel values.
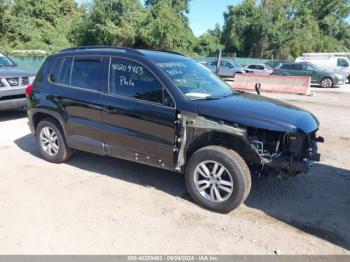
(327, 82)
(51, 143)
(218, 178)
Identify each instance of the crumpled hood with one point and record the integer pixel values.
(14, 72)
(259, 112)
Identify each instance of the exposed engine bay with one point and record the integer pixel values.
(290, 152)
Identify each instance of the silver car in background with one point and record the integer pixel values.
(13, 82)
(228, 68)
(258, 69)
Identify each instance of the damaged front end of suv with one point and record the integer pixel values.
(288, 153)
(270, 135)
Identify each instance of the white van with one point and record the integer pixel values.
(332, 62)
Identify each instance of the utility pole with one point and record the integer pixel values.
(218, 62)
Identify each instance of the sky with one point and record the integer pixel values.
(204, 14)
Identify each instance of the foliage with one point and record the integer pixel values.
(38, 24)
(253, 28)
(285, 28)
(209, 43)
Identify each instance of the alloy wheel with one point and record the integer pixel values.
(49, 141)
(213, 181)
(326, 83)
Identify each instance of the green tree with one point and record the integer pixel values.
(166, 26)
(286, 28)
(112, 22)
(41, 24)
(209, 43)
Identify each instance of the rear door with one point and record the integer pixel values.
(138, 124)
(78, 83)
(298, 70)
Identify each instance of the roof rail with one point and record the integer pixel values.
(126, 49)
(326, 54)
(167, 51)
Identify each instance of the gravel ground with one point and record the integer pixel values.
(96, 205)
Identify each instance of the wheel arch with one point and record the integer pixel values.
(231, 141)
(327, 76)
(38, 115)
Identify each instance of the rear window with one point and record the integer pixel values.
(87, 73)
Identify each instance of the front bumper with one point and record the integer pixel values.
(12, 103)
(293, 164)
(12, 97)
(339, 82)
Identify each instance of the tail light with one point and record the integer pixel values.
(29, 90)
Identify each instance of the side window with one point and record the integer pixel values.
(298, 67)
(60, 71)
(309, 68)
(87, 73)
(227, 64)
(260, 67)
(65, 71)
(131, 79)
(342, 62)
(286, 66)
(55, 71)
(251, 67)
(213, 63)
(167, 99)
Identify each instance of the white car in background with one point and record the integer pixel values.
(258, 69)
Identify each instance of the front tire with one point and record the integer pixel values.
(327, 82)
(51, 143)
(218, 178)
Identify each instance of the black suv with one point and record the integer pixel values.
(166, 110)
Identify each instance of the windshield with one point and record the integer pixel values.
(195, 81)
(315, 67)
(4, 61)
(268, 67)
(237, 65)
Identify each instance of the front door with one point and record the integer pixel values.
(137, 125)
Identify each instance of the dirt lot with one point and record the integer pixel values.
(96, 205)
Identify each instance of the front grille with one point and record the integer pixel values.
(25, 81)
(13, 81)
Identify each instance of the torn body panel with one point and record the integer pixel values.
(290, 153)
(190, 127)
